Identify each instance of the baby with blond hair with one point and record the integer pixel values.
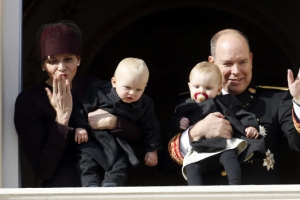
(209, 154)
(123, 96)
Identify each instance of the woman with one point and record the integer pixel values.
(42, 113)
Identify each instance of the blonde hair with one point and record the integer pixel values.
(133, 64)
(207, 68)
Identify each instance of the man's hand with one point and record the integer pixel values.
(81, 135)
(151, 158)
(212, 126)
(101, 119)
(294, 85)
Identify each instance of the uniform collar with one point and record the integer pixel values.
(247, 96)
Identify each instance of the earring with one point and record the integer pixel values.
(43, 69)
(78, 64)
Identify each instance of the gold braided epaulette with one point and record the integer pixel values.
(273, 87)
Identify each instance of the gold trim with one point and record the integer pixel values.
(184, 93)
(296, 123)
(174, 149)
(252, 90)
(273, 87)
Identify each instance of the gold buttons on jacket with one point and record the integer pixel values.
(223, 173)
(252, 90)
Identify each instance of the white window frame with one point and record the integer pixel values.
(10, 86)
(10, 70)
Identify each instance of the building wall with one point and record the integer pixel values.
(10, 87)
(1, 66)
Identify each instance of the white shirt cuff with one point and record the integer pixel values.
(185, 142)
(297, 110)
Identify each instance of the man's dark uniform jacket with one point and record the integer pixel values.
(233, 111)
(104, 147)
(273, 109)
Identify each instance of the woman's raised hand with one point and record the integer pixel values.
(61, 99)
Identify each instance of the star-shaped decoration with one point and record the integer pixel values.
(269, 160)
(262, 131)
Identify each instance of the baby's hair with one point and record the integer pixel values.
(135, 64)
(207, 67)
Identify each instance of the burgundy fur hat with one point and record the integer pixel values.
(58, 38)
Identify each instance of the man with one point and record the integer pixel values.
(276, 110)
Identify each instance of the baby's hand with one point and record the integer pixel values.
(184, 123)
(251, 132)
(151, 158)
(81, 135)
